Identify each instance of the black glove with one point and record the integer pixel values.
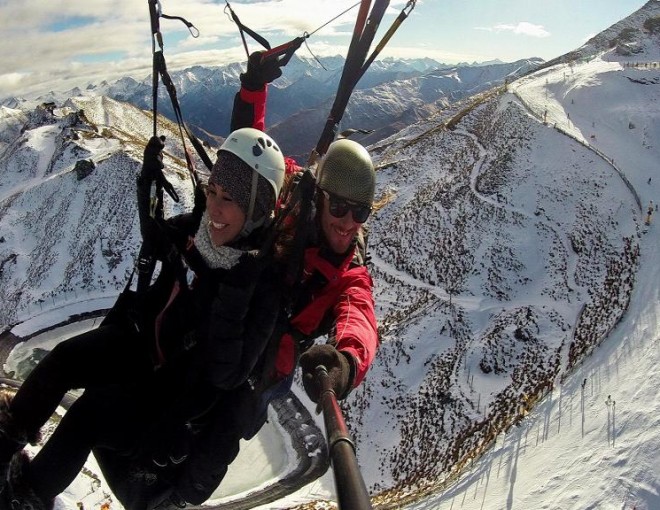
(337, 364)
(152, 162)
(259, 73)
(152, 166)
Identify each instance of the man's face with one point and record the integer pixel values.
(339, 232)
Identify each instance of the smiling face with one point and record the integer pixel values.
(339, 232)
(226, 218)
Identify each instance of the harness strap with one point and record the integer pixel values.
(191, 28)
(283, 52)
(160, 69)
(243, 29)
(302, 200)
(357, 64)
(156, 39)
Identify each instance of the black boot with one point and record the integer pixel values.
(12, 437)
(17, 493)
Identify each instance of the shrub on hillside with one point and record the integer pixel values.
(653, 25)
(626, 35)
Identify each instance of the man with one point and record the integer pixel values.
(344, 195)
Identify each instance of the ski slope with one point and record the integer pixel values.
(595, 441)
(574, 450)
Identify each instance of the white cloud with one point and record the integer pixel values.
(521, 28)
(49, 38)
(199, 42)
(42, 58)
(12, 81)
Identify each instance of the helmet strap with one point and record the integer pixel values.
(250, 225)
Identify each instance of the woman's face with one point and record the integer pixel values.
(339, 232)
(226, 218)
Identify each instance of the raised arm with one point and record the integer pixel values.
(250, 102)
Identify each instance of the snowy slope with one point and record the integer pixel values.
(578, 449)
(64, 231)
(573, 450)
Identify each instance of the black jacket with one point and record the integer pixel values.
(207, 336)
(214, 322)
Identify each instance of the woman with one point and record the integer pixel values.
(200, 327)
(188, 433)
(187, 447)
(328, 291)
(330, 295)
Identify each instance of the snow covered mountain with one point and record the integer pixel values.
(627, 37)
(511, 244)
(68, 199)
(392, 94)
(389, 106)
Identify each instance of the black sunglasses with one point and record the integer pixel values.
(340, 206)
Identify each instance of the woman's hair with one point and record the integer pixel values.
(287, 215)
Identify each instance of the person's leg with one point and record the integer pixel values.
(12, 438)
(129, 469)
(93, 359)
(107, 418)
(17, 493)
(99, 357)
(203, 473)
(214, 449)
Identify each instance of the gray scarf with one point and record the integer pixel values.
(215, 257)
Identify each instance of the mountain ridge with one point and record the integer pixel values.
(392, 93)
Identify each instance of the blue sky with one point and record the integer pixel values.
(57, 45)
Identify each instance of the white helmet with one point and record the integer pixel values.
(259, 151)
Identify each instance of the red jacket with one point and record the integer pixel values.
(345, 301)
(348, 298)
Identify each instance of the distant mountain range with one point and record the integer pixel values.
(392, 94)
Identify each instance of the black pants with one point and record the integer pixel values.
(123, 400)
(95, 359)
(96, 419)
(103, 356)
(118, 423)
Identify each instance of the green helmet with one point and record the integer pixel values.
(347, 171)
